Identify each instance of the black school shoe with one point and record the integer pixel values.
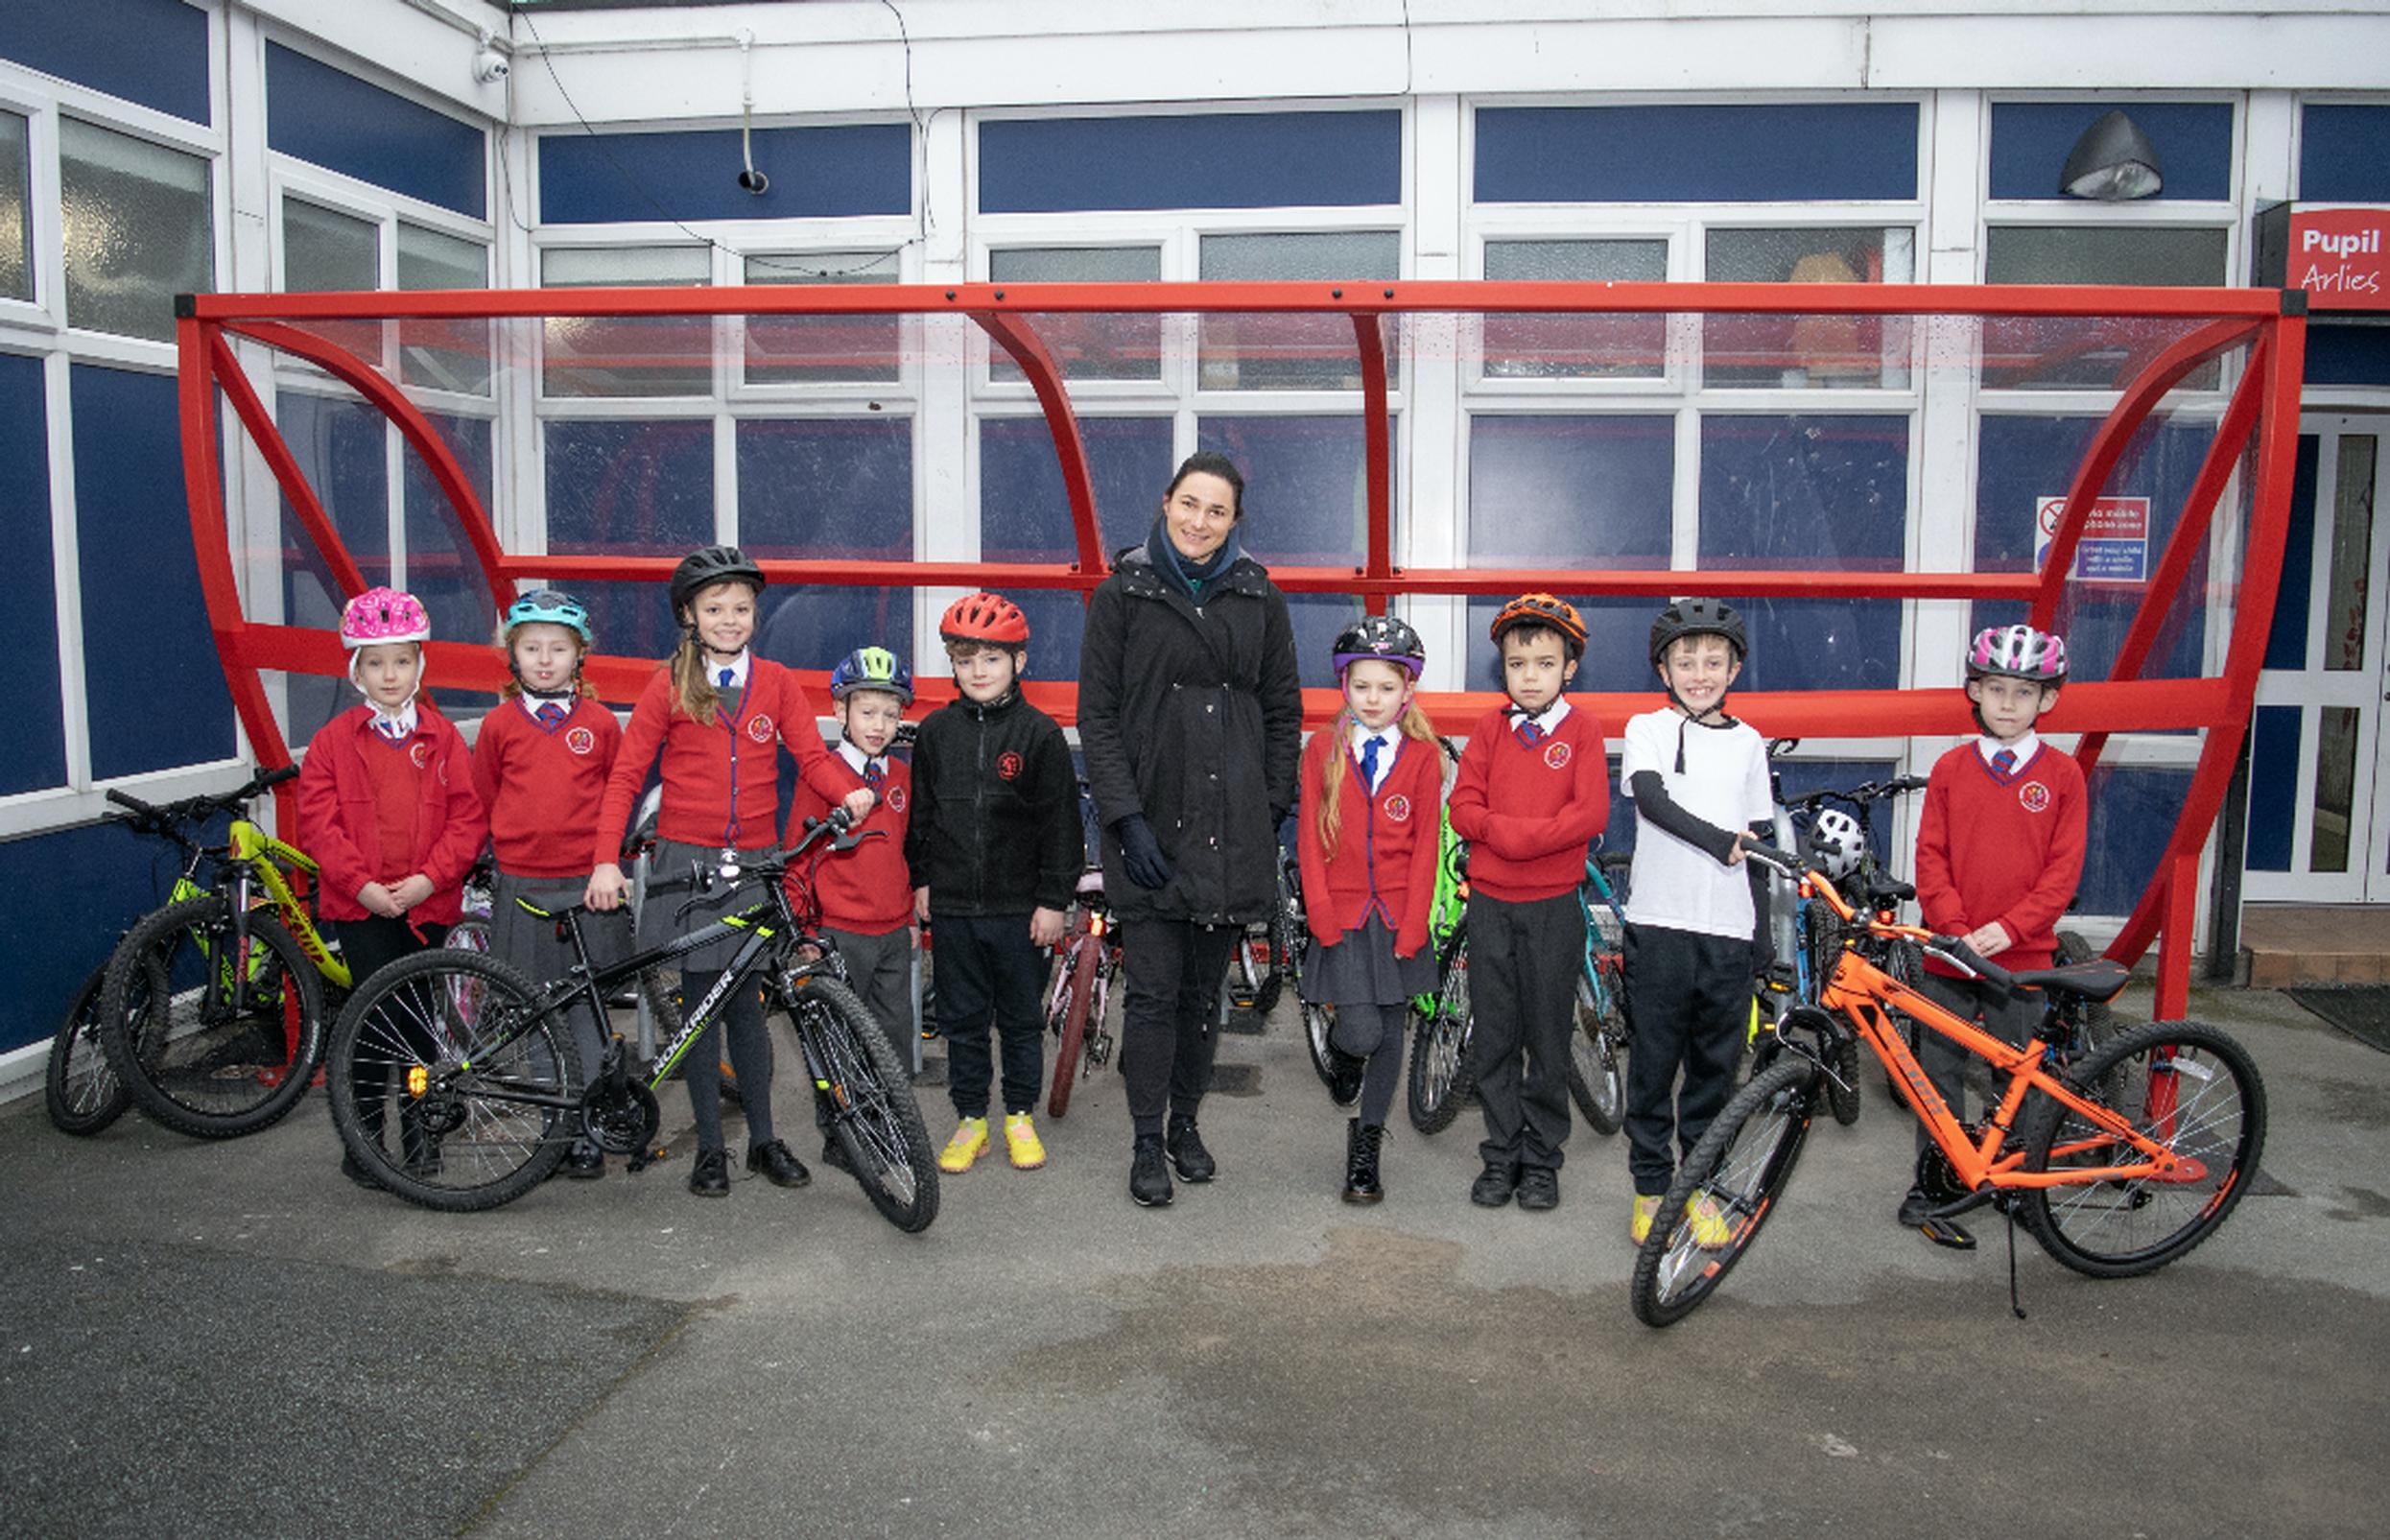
(779, 1165)
(1539, 1187)
(709, 1175)
(1493, 1185)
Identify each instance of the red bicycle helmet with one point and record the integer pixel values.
(984, 617)
(1543, 609)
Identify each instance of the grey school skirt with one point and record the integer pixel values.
(1362, 969)
(672, 912)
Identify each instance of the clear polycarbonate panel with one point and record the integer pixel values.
(1544, 347)
(591, 356)
(1292, 352)
(1091, 346)
(437, 352)
(1808, 352)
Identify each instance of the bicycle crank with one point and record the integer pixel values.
(621, 1120)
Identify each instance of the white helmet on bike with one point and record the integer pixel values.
(1837, 841)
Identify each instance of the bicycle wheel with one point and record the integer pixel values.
(873, 1114)
(1069, 1021)
(2191, 1088)
(1441, 1076)
(80, 1088)
(1318, 1020)
(214, 1034)
(448, 1086)
(1740, 1165)
(1905, 963)
(1597, 1072)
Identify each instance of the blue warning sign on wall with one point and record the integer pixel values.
(2114, 547)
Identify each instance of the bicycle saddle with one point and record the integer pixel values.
(1881, 888)
(2099, 980)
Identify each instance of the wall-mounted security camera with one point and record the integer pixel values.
(489, 66)
(754, 182)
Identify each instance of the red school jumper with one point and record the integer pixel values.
(722, 779)
(1385, 844)
(359, 795)
(867, 890)
(1553, 797)
(542, 785)
(2007, 849)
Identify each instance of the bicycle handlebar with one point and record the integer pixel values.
(161, 817)
(1964, 956)
(1783, 862)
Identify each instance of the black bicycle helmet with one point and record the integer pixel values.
(700, 570)
(1381, 638)
(1699, 617)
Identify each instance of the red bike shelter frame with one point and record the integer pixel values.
(2263, 409)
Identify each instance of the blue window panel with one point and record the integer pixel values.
(1783, 152)
(442, 569)
(825, 172)
(1203, 160)
(2021, 460)
(155, 689)
(1823, 491)
(333, 119)
(2347, 355)
(2273, 786)
(1569, 490)
(642, 488)
(1617, 635)
(28, 611)
(2132, 812)
(2286, 642)
(2030, 141)
(153, 52)
(2344, 153)
(338, 444)
(812, 489)
(1025, 516)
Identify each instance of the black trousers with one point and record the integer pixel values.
(2013, 1019)
(989, 969)
(1523, 964)
(1688, 996)
(1173, 969)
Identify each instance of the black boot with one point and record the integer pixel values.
(1192, 1162)
(1150, 1172)
(1344, 1075)
(1361, 1161)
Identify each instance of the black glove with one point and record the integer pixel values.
(1141, 853)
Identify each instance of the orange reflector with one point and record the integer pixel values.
(418, 1080)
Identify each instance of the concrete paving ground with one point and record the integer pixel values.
(230, 1340)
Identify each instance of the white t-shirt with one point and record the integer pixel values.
(1675, 884)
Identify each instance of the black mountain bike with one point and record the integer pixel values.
(456, 1083)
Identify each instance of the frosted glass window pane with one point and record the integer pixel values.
(138, 229)
(1088, 347)
(639, 355)
(2104, 254)
(442, 354)
(1805, 351)
(323, 251)
(1551, 348)
(817, 349)
(2351, 554)
(1290, 352)
(16, 241)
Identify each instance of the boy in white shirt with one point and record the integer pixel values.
(1699, 780)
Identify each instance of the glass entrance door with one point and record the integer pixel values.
(2319, 798)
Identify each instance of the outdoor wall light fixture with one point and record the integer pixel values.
(2114, 162)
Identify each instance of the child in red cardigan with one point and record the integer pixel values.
(387, 807)
(1368, 842)
(541, 765)
(1999, 852)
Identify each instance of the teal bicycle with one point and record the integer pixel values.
(1597, 1046)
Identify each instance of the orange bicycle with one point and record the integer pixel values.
(2117, 1161)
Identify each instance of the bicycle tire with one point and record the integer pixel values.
(1597, 1077)
(475, 1143)
(1746, 1175)
(190, 1060)
(1441, 1076)
(79, 1088)
(874, 1116)
(1317, 1024)
(1907, 964)
(1085, 955)
(2115, 1229)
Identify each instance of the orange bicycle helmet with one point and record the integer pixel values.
(984, 617)
(1543, 609)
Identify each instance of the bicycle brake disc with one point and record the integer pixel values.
(621, 1122)
(1938, 1177)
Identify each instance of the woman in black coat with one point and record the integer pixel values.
(1191, 718)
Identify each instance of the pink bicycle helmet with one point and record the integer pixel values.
(2017, 653)
(382, 615)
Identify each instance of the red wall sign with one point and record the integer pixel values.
(2341, 257)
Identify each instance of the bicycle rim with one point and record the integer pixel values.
(874, 1117)
(1074, 995)
(1441, 1074)
(1597, 1069)
(447, 1087)
(2190, 1088)
(1738, 1169)
(1317, 1024)
(80, 1088)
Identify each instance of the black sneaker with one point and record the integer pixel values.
(1185, 1147)
(1539, 1187)
(709, 1175)
(779, 1165)
(584, 1162)
(1149, 1173)
(1494, 1186)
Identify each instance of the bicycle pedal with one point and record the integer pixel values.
(1947, 1233)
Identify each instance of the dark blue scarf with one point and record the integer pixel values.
(1197, 577)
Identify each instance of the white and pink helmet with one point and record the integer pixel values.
(382, 615)
(2017, 653)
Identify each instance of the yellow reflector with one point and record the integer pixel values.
(418, 1080)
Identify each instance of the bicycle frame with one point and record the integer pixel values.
(258, 857)
(1863, 994)
(1599, 885)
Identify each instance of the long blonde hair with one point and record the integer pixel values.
(1330, 817)
(692, 690)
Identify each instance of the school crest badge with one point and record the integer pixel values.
(580, 741)
(2033, 796)
(895, 799)
(1556, 756)
(1008, 765)
(759, 728)
(1398, 808)
(420, 753)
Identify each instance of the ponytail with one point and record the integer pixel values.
(692, 690)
